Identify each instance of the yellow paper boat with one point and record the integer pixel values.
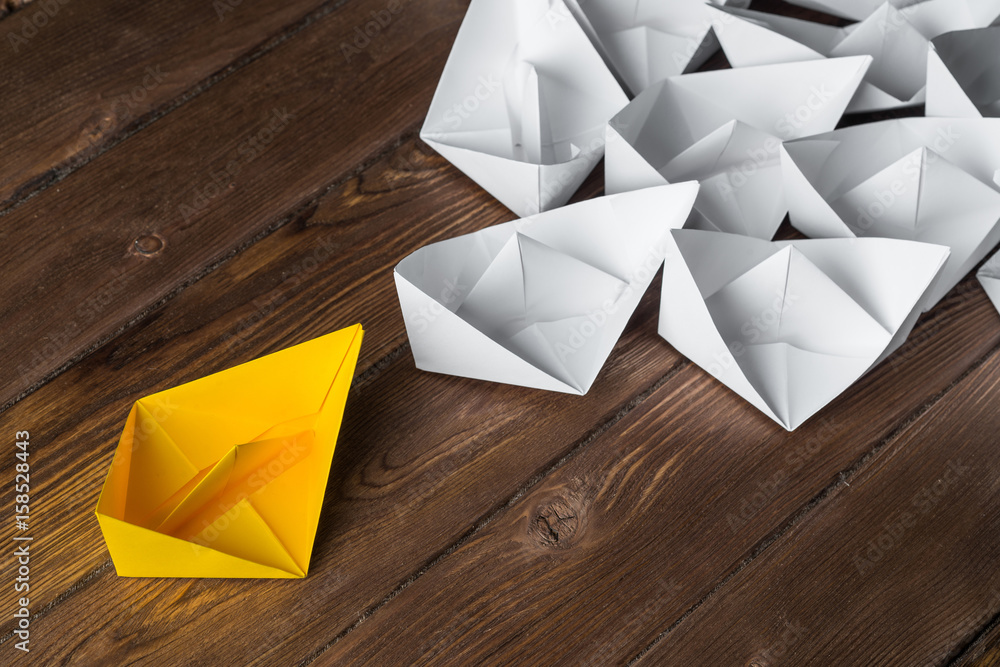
(225, 476)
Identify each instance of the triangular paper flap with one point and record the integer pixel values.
(786, 299)
(445, 343)
(236, 404)
(243, 471)
(937, 17)
(945, 96)
(685, 321)
(157, 467)
(790, 99)
(115, 490)
(855, 10)
(809, 211)
(962, 74)
(989, 278)
(900, 65)
(513, 183)
(558, 286)
(971, 144)
(644, 55)
(241, 532)
(616, 234)
(798, 383)
(714, 260)
(886, 277)
(140, 552)
(754, 207)
(449, 270)
(887, 203)
(495, 304)
(625, 169)
(752, 38)
(870, 98)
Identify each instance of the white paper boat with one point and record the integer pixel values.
(790, 325)
(541, 301)
(522, 103)
(923, 179)
(989, 277)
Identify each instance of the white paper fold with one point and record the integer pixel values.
(645, 41)
(790, 325)
(950, 14)
(541, 301)
(897, 77)
(522, 103)
(923, 179)
(725, 128)
(989, 278)
(963, 74)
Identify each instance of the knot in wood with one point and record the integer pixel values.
(148, 245)
(556, 523)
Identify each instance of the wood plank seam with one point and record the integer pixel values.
(301, 212)
(844, 478)
(58, 173)
(977, 642)
(502, 508)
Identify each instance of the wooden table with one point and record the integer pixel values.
(657, 520)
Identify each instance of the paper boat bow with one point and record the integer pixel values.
(538, 302)
(789, 326)
(225, 476)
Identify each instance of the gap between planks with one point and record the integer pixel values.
(300, 212)
(843, 478)
(57, 174)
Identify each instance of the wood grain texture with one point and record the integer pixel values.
(908, 555)
(140, 222)
(465, 522)
(76, 75)
(614, 547)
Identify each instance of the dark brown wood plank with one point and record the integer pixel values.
(615, 546)
(396, 467)
(140, 222)
(76, 75)
(901, 567)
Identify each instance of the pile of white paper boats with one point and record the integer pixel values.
(701, 169)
